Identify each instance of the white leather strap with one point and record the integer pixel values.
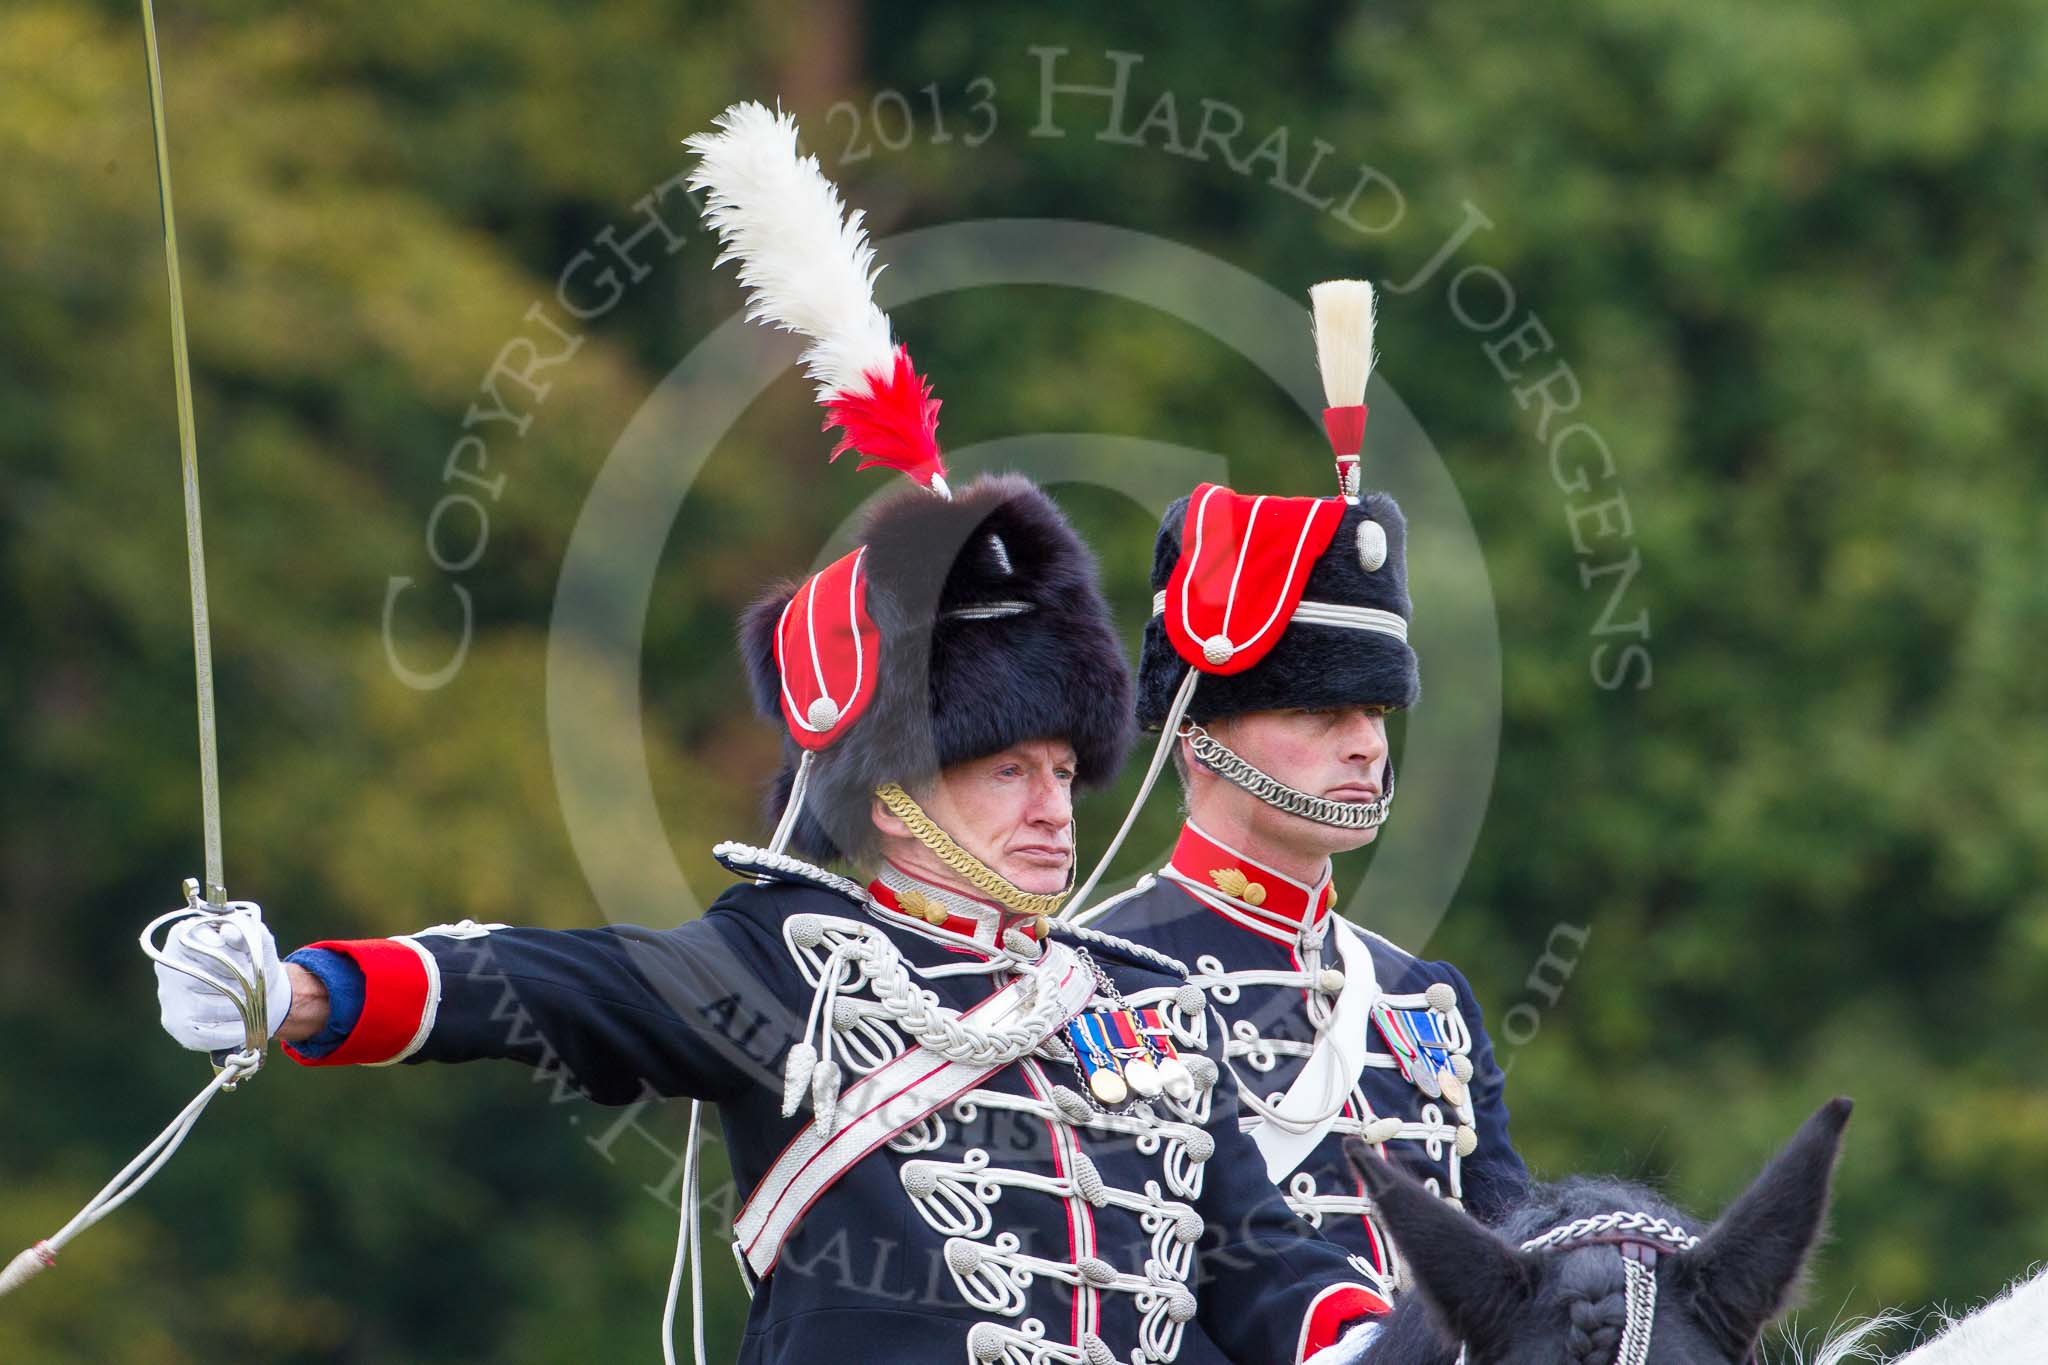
(1332, 1067)
(883, 1104)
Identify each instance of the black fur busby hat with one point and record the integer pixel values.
(965, 624)
(1322, 657)
(1343, 632)
(992, 630)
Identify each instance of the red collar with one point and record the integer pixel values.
(944, 910)
(1246, 891)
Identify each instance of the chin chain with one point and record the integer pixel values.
(965, 865)
(1219, 758)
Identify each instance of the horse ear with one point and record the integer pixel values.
(1743, 1271)
(1479, 1285)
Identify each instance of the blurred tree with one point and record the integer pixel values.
(1790, 254)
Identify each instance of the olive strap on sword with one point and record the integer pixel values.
(209, 901)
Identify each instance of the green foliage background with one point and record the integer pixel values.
(1792, 254)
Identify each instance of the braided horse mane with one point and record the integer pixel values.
(1590, 1283)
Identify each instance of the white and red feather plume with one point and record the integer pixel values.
(1344, 326)
(807, 267)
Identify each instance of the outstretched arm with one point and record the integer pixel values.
(613, 1013)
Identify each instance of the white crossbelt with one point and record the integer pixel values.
(1332, 1067)
(883, 1104)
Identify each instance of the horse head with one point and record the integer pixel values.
(1603, 1272)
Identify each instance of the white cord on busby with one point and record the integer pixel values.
(1169, 735)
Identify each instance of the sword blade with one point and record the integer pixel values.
(188, 448)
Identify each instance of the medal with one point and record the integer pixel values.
(1177, 1080)
(1095, 1056)
(1421, 1049)
(1125, 1052)
(1161, 1066)
(1174, 1077)
(1107, 1086)
(1135, 1049)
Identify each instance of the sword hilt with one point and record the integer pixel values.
(251, 1000)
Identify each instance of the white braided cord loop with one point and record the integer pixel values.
(1066, 928)
(913, 1008)
(749, 860)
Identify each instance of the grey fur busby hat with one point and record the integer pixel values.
(987, 627)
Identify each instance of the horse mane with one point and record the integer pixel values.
(1591, 1279)
(2003, 1330)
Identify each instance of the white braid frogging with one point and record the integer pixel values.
(825, 947)
(991, 1269)
(1444, 1132)
(994, 1273)
(1243, 1039)
(869, 1006)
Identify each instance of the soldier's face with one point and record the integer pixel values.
(1013, 810)
(1336, 752)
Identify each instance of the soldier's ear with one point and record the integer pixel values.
(886, 821)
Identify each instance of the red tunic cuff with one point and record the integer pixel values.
(1335, 1309)
(401, 989)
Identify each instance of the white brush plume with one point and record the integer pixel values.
(1343, 318)
(804, 260)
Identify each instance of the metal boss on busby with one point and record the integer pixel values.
(964, 623)
(1264, 603)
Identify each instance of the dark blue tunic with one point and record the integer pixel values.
(971, 1217)
(1253, 964)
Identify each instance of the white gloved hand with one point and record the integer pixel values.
(197, 1014)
